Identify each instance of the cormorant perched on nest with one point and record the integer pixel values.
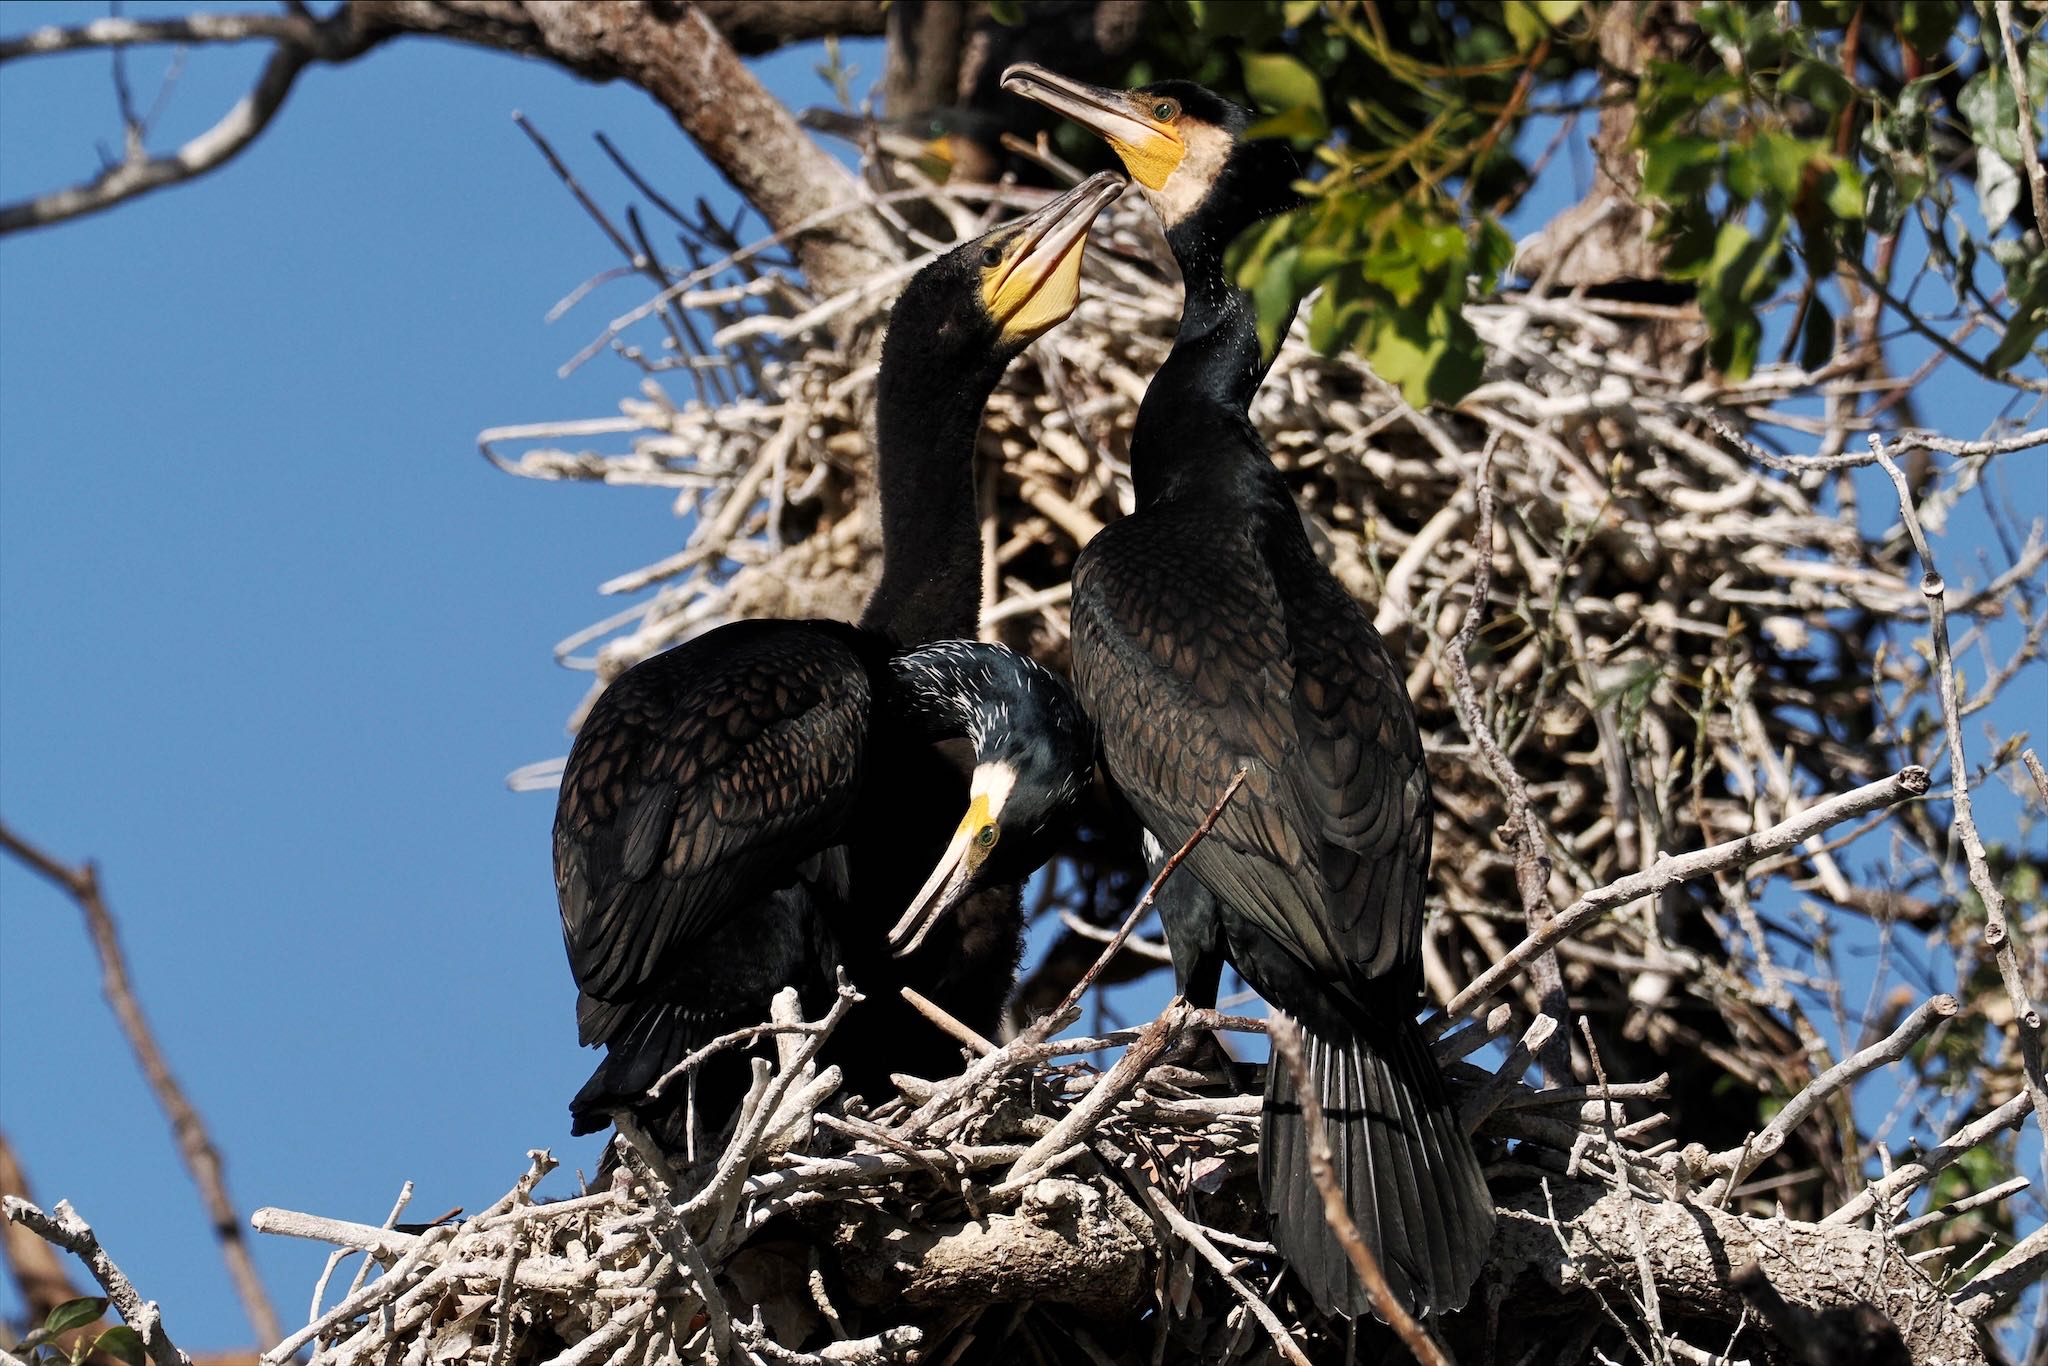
(755, 808)
(1209, 638)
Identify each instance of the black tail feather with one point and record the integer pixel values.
(654, 1039)
(1410, 1179)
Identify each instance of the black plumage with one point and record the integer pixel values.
(755, 808)
(1209, 638)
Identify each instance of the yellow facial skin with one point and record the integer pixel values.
(1035, 281)
(1145, 132)
(1155, 154)
(974, 839)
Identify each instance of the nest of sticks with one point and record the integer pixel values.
(1037, 1207)
(1667, 639)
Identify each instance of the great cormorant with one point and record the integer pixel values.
(755, 808)
(1208, 638)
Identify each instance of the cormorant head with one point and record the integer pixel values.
(1034, 754)
(1005, 288)
(1183, 143)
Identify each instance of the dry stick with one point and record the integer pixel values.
(652, 1169)
(2040, 775)
(1201, 832)
(1903, 1181)
(75, 1236)
(1956, 1208)
(952, 1025)
(1738, 1163)
(2004, 1278)
(1532, 858)
(696, 1059)
(1197, 1237)
(195, 1145)
(1044, 1155)
(1021, 1049)
(1286, 1038)
(2026, 1019)
(1650, 1304)
(2023, 97)
(1672, 869)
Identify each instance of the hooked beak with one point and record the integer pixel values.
(966, 852)
(1150, 151)
(1039, 282)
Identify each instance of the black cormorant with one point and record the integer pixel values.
(1208, 638)
(755, 808)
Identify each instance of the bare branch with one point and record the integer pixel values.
(75, 1236)
(1903, 1181)
(195, 1144)
(1739, 1163)
(1997, 936)
(191, 29)
(2029, 130)
(1670, 870)
(1532, 856)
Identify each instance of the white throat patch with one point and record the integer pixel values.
(1207, 148)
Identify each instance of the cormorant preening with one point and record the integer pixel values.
(1208, 638)
(755, 808)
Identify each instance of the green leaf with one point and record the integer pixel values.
(1929, 24)
(1998, 189)
(1008, 13)
(2029, 317)
(1493, 254)
(1279, 83)
(1844, 198)
(1818, 84)
(1677, 167)
(1817, 337)
(1274, 295)
(1301, 122)
(1295, 13)
(1525, 24)
(72, 1313)
(123, 1344)
(1987, 105)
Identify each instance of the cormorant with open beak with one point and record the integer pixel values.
(1209, 638)
(753, 809)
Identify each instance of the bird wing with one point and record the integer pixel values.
(1214, 653)
(1360, 779)
(701, 779)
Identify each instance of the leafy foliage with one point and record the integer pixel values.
(78, 1318)
(1783, 152)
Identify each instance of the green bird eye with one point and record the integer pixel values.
(986, 837)
(1166, 111)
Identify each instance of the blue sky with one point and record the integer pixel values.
(271, 633)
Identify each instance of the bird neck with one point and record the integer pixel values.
(926, 415)
(946, 689)
(1194, 426)
(1194, 431)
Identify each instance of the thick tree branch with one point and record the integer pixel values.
(195, 1145)
(1582, 1241)
(329, 41)
(675, 52)
(74, 1235)
(38, 1273)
